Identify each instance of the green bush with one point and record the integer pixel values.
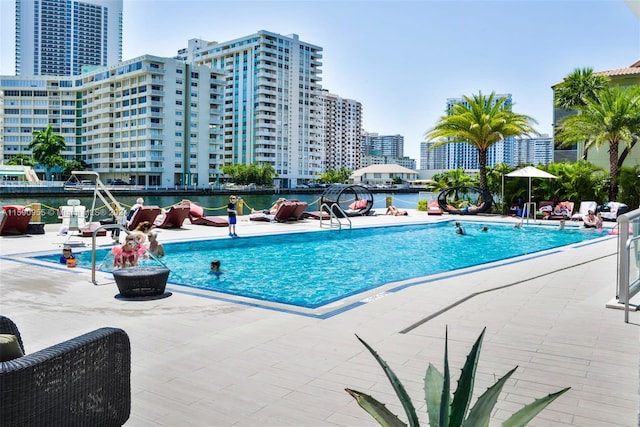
(442, 409)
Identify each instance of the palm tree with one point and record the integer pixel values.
(612, 118)
(46, 147)
(574, 91)
(577, 87)
(482, 122)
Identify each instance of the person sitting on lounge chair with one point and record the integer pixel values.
(273, 209)
(392, 210)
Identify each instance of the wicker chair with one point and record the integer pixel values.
(84, 381)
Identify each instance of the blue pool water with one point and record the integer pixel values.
(316, 268)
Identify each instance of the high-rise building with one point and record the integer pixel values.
(149, 120)
(59, 37)
(432, 158)
(343, 132)
(537, 150)
(383, 145)
(273, 110)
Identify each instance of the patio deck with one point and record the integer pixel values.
(208, 362)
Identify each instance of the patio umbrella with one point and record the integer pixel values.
(528, 172)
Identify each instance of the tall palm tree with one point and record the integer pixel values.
(572, 94)
(46, 147)
(612, 118)
(482, 122)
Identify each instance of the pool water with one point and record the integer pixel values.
(313, 269)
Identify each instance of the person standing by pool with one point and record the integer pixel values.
(232, 211)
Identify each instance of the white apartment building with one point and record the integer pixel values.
(272, 112)
(149, 120)
(59, 37)
(342, 132)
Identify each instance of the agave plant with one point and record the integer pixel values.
(442, 409)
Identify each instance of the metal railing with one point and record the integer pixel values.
(628, 284)
(335, 221)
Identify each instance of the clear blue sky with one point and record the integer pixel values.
(403, 59)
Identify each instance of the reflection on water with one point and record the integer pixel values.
(216, 203)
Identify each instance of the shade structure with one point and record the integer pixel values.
(528, 172)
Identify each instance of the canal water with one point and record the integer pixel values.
(216, 204)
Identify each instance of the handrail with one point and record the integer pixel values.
(333, 216)
(93, 248)
(527, 209)
(628, 225)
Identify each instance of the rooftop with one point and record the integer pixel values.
(210, 361)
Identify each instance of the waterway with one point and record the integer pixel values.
(215, 202)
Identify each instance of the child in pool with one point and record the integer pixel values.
(127, 254)
(215, 268)
(155, 247)
(66, 255)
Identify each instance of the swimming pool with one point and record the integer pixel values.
(316, 268)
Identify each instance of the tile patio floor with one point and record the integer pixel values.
(207, 362)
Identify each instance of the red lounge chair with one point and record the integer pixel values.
(15, 220)
(174, 217)
(196, 216)
(317, 215)
(142, 214)
(286, 212)
(87, 230)
(434, 208)
(301, 207)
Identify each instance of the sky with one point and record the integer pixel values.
(403, 59)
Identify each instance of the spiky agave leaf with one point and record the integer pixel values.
(376, 409)
(464, 391)
(433, 382)
(526, 414)
(481, 412)
(445, 395)
(397, 386)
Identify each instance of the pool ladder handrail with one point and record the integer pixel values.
(334, 220)
(93, 248)
(528, 209)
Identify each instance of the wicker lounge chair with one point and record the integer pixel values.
(84, 381)
(15, 220)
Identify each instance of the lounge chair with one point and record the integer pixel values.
(298, 213)
(174, 217)
(433, 208)
(316, 215)
(611, 210)
(83, 381)
(566, 209)
(196, 216)
(72, 216)
(585, 207)
(15, 220)
(142, 214)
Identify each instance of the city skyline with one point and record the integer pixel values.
(402, 60)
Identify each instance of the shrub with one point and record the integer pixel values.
(442, 409)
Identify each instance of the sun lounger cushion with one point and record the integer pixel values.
(15, 219)
(358, 204)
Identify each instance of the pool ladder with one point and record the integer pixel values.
(529, 210)
(336, 216)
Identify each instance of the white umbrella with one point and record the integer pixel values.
(528, 172)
